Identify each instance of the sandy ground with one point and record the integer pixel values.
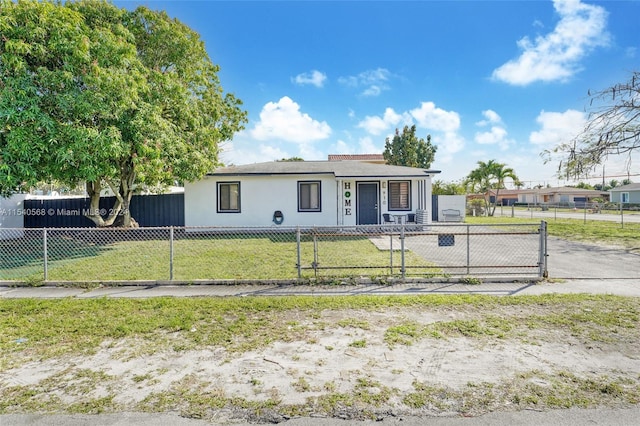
(331, 359)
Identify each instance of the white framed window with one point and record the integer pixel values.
(624, 197)
(228, 197)
(309, 196)
(399, 195)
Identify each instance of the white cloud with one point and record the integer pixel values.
(556, 56)
(433, 118)
(284, 121)
(244, 151)
(491, 117)
(365, 145)
(376, 124)
(341, 147)
(309, 152)
(368, 146)
(496, 135)
(441, 124)
(315, 78)
(449, 143)
(557, 127)
(374, 82)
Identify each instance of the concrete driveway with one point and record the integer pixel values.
(573, 260)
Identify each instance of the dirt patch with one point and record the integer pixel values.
(350, 364)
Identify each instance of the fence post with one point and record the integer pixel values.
(171, 253)
(315, 253)
(391, 252)
(543, 272)
(298, 252)
(402, 269)
(468, 249)
(45, 254)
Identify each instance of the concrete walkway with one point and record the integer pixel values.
(622, 287)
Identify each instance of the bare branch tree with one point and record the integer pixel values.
(612, 128)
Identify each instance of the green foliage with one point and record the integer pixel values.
(487, 178)
(584, 185)
(97, 94)
(408, 150)
(448, 188)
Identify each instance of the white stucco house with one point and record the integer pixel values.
(309, 193)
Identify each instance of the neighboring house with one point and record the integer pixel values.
(625, 194)
(308, 193)
(564, 195)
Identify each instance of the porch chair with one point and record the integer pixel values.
(411, 218)
(386, 217)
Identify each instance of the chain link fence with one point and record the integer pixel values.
(191, 255)
(585, 211)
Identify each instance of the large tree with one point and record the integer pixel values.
(612, 128)
(112, 98)
(407, 149)
(490, 177)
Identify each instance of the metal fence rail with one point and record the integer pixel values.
(585, 211)
(189, 254)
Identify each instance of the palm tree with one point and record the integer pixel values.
(488, 176)
(501, 172)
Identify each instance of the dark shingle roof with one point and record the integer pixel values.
(339, 169)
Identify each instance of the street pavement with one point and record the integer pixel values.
(569, 417)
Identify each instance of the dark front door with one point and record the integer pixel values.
(367, 206)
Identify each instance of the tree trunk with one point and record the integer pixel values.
(119, 215)
(125, 192)
(486, 203)
(495, 203)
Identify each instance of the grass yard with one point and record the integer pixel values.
(594, 231)
(260, 257)
(203, 257)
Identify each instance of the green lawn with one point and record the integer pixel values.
(258, 257)
(204, 257)
(593, 231)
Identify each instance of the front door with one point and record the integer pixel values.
(367, 205)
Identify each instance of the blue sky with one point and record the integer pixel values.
(500, 80)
